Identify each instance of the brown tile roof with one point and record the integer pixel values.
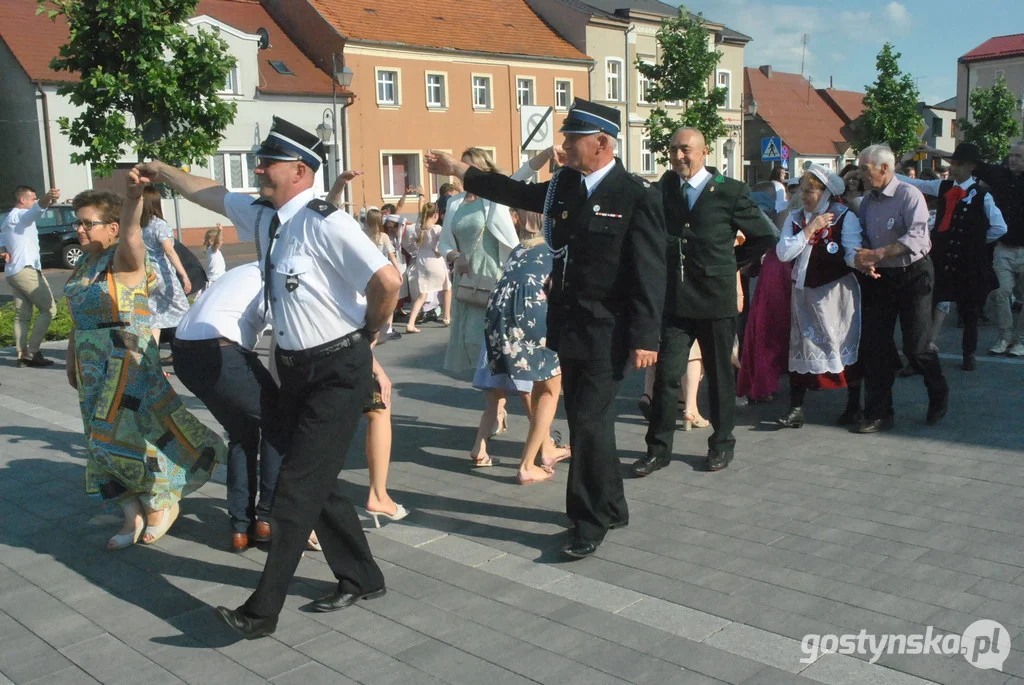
(796, 112)
(848, 104)
(506, 27)
(995, 48)
(35, 40)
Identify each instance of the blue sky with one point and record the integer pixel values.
(844, 38)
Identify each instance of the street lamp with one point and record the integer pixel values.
(340, 77)
(751, 106)
(325, 129)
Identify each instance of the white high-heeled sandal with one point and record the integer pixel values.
(400, 513)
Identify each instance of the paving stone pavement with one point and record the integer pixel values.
(717, 579)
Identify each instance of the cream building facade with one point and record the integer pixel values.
(615, 33)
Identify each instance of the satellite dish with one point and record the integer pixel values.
(264, 38)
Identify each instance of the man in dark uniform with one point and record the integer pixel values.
(329, 289)
(607, 231)
(703, 211)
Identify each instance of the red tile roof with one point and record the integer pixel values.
(796, 112)
(507, 27)
(994, 48)
(35, 40)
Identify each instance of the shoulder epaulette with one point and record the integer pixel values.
(322, 207)
(640, 181)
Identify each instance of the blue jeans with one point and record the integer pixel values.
(235, 386)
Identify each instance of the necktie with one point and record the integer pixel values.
(688, 194)
(275, 225)
(952, 196)
(584, 191)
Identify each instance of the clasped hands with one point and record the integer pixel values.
(865, 261)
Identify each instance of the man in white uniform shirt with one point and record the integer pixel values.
(214, 357)
(316, 263)
(19, 247)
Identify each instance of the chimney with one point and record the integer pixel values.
(830, 83)
(766, 69)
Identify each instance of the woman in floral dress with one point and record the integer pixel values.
(515, 329)
(145, 450)
(167, 301)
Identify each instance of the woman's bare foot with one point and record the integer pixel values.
(551, 455)
(411, 329)
(533, 474)
(382, 506)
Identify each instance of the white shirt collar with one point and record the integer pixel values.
(292, 207)
(593, 178)
(967, 184)
(698, 178)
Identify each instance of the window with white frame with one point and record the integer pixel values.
(563, 94)
(437, 96)
(235, 171)
(725, 81)
(481, 92)
(644, 89)
(646, 157)
(387, 87)
(231, 83)
(524, 91)
(398, 171)
(613, 79)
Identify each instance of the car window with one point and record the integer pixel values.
(49, 218)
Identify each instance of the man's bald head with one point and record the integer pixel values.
(687, 151)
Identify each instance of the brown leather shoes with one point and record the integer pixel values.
(261, 531)
(239, 542)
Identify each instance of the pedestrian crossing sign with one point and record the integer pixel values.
(771, 149)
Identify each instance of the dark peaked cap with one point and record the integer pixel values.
(589, 117)
(289, 142)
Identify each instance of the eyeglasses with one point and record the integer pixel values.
(88, 225)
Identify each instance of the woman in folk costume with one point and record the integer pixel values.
(821, 237)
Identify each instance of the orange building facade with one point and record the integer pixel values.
(447, 76)
(408, 102)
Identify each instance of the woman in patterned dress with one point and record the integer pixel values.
(145, 450)
(515, 334)
(167, 301)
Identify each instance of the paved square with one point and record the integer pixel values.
(717, 578)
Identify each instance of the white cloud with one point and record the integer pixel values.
(897, 14)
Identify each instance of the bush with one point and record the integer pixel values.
(60, 327)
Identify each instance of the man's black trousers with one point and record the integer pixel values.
(319, 405)
(906, 293)
(594, 497)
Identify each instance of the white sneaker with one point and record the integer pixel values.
(1000, 347)
(1017, 350)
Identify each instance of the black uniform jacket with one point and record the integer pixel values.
(702, 256)
(607, 293)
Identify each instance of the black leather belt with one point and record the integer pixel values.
(209, 342)
(300, 357)
(902, 269)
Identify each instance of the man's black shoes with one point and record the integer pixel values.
(875, 425)
(648, 465)
(718, 460)
(251, 627)
(340, 600)
(580, 548)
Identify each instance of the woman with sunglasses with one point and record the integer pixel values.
(145, 450)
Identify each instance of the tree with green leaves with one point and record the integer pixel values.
(890, 107)
(146, 85)
(994, 121)
(684, 75)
